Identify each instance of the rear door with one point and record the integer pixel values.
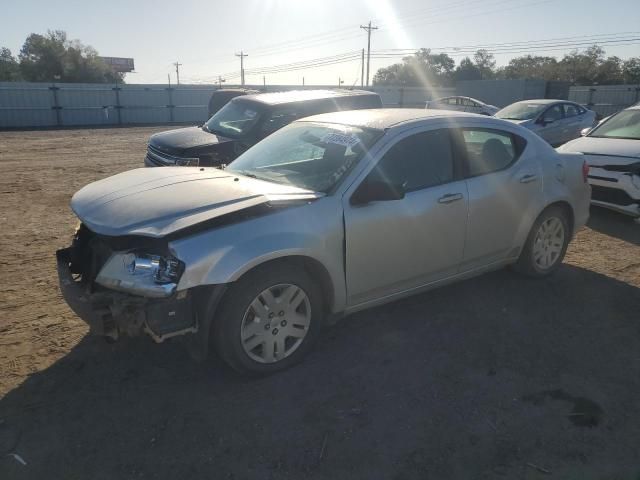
(397, 245)
(504, 183)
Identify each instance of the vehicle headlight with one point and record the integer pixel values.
(161, 269)
(141, 273)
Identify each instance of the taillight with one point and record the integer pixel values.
(585, 171)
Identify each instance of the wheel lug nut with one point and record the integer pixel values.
(267, 326)
(274, 331)
(283, 323)
(281, 313)
(271, 315)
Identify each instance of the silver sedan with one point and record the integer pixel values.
(557, 121)
(330, 215)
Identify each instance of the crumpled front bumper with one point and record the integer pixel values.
(111, 314)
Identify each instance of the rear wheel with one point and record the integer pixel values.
(269, 319)
(546, 244)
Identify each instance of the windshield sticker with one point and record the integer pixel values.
(250, 113)
(340, 139)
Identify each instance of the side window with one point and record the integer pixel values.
(570, 110)
(419, 161)
(467, 103)
(490, 150)
(553, 114)
(280, 118)
(452, 101)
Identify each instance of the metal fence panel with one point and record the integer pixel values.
(605, 99)
(24, 104)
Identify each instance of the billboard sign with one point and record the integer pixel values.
(119, 64)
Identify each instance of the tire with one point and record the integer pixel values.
(541, 238)
(250, 316)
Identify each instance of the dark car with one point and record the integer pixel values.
(246, 120)
(221, 97)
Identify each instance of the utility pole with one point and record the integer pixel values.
(303, 81)
(368, 28)
(264, 81)
(177, 72)
(220, 81)
(362, 71)
(242, 55)
(340, 82)
(169, 79)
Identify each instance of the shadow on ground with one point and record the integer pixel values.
(496, 377)
(615, 225)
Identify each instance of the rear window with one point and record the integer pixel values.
(489, 150)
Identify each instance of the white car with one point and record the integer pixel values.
(462, 104)
(612, 150)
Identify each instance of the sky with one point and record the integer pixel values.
(204, 36)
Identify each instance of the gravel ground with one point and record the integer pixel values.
(495, 377)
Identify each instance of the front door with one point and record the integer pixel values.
(394, 246)
(551, 127)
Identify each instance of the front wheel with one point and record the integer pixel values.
(269, 319)
(546, 244)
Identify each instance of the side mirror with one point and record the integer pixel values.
(585, 131)
(376, 191)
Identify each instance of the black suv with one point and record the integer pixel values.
(246, 120)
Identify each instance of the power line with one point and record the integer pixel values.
(549, 44)
(368, 29)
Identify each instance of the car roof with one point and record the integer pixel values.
(544, 101)
(291, 96)
(382, 118)
(235, 90)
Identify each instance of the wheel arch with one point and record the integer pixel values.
(566, 207)
(312, 266)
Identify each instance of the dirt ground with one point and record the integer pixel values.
(495, 377)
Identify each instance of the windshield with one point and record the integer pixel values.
(312, 156)
(233, 120)
(521, 111)
(625, 124)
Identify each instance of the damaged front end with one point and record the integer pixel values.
(125, 286)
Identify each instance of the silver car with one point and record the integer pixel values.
(330, 215)
(612, 150)
(462, 104)
(557, 121)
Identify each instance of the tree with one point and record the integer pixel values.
(421, 69)
(52, 57)
(467, 70)
(485, 63)
(9, 68)
(610, 71)
(631, 70)
(530, 66)
(582, 68)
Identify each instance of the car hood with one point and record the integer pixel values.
(155, 202)
(605, 151)
(184, 139)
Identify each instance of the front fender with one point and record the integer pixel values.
(223, 255)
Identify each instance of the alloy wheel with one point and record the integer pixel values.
(548, 243)
(275, 323)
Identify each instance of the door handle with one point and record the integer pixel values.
(528, 178)
(450, 197)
